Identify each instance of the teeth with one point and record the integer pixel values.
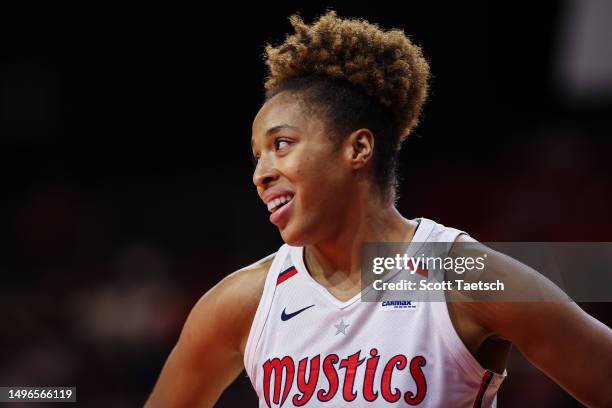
(272, 205)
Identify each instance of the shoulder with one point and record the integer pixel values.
(544, 324)
(247, 282)
(524, 293)
(207, 356)
(229, 307)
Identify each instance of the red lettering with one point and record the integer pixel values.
(278, 366)
(332, 377)
(350, 364)
(368, 382)
(307, 388)
(419, 378)
(400, 363)
(307, 379)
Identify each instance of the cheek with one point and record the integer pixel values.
(318, 175)
(306, 170)
(324, 187)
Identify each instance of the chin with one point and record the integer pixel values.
(292, 236)
(291, 239)
(299, 235)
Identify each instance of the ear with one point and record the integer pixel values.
(360, 148)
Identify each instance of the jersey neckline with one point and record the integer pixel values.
(297, 257)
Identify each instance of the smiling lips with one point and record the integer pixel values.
(278, 204)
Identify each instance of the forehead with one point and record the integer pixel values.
(282, 110)
(278, 108)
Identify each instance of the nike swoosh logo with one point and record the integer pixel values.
(286, 316)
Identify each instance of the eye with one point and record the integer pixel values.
(280, 144)
(255, 159)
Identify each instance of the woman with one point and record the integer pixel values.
(341, 97)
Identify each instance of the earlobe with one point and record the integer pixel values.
(362, 147)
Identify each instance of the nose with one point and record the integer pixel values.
(264, 173)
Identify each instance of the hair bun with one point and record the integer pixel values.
(383, 63)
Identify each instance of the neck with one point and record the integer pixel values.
(339, 257)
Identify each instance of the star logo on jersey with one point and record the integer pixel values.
(286, 316)
(341, 327)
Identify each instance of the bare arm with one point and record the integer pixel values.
(557, 336)
(208, 355)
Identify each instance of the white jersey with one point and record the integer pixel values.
(307, 348)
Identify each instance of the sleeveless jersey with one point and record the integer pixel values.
(307, 348)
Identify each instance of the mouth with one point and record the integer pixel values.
(279, 202)
(280, 209)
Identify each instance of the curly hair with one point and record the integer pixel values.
(359, 75)
(384, 64)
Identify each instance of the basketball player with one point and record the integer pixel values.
(341, 97)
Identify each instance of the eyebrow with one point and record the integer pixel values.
(275, 129)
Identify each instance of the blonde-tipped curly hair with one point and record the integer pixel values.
(384, 64)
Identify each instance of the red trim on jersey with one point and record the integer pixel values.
(286, 274)
(484, 384)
